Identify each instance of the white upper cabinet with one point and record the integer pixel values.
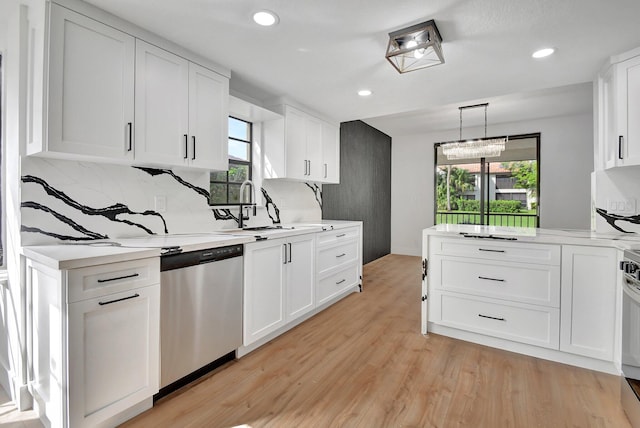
(330, 153)
(208, 124)
(181, 111)
(618, 103)
(91, 81)
(113, 97)
(306, 150)
(162, 106)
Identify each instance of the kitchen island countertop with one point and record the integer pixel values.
(622, 241)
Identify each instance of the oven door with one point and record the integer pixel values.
(630, 381)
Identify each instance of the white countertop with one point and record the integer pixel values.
(621, 241)
(79, 254)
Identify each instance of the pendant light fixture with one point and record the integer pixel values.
(415, 47)
(474, 149)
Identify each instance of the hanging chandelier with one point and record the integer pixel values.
(473, 149)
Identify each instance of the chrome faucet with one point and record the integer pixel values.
(252, 201)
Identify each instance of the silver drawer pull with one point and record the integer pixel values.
(341, 255)
(341, 235)
(133, 275)
(491, 318)
(118, 300)
(491, 251)
(340, 282)
(490, 279)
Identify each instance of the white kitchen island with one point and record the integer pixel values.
(553, 294)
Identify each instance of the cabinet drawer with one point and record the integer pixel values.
(529, 283)
(487, 249)
(336, 236)
(337, 256)
(94, 281)
(518, 322)
(334, 284)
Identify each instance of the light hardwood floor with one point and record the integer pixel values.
(364, 363)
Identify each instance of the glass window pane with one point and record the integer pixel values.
(239, 129)
(219, 176)
(238, 173)
(239, 150)
(234, 192)
(218, 193)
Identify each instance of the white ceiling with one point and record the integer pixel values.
(323, 51)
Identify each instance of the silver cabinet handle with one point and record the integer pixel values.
(290, 252)
(491, 251)
(285, 254)
(490, 279)
(186, 146)
(118, 300)
(341, 255)
(341, 281)
(491, 318)
(193, 137)
(309, 168)
(325, 170)
(341, 235)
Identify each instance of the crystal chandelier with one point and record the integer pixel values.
(473, 149)
(415, 47)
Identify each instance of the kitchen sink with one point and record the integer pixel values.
(266, 227)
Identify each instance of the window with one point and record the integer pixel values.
(483, 190)
(225, 185)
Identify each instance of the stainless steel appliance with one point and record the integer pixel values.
(630, 381)
(200, 313)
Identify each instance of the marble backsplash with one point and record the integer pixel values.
(72, 201)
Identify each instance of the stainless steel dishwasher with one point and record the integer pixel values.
(200, 313)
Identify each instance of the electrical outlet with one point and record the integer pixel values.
(622, 206)
(160, 202)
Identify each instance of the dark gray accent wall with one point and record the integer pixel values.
(364, 192)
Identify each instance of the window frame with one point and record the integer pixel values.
(248, 164)
(533, 135)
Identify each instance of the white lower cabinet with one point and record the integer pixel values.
(339, 262)
(555, 296)
(95, 341)
(535, 325)
(278, 284)
(589, 290)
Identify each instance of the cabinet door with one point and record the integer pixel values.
(588, 301)
(264, 277)
(330, 154)
(114, 344)
(296, 143)
(315, 168)
(91, 87)
(300, 275)
(208, 118)
(162, 106)
(628, 81)
(607, 118)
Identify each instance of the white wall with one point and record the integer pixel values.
(566, 162)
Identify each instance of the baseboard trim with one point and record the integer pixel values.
(523, 348)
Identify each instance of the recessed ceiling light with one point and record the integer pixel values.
(364, 93)
(265, 18)
(543, 52)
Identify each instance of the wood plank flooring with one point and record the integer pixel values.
(364, 363)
